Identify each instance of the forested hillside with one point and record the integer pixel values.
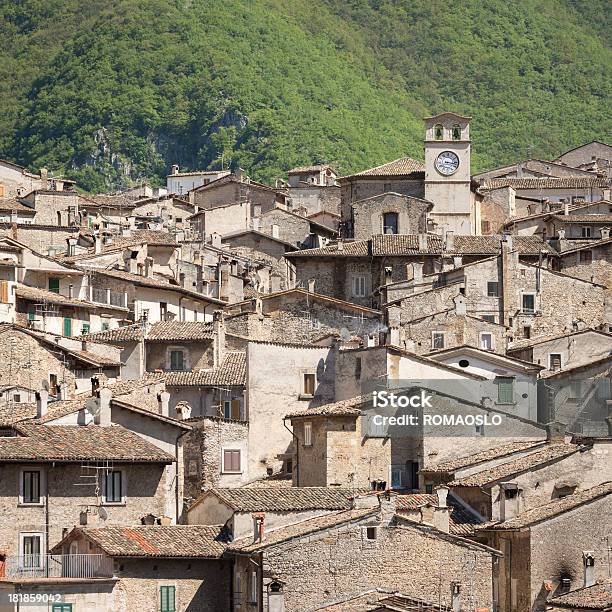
(113, 92)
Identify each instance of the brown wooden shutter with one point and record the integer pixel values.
(236, 409)
(4, 291)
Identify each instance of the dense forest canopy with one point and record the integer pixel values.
(111, 93)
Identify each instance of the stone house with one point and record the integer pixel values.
(354, 271)
(237, 187)
(579, 226)
(591, 261)
(325, 559)
(222, 219)
(586, 154)
(143, 567)
(236, 508)
(183, 182)
(389, 213)
(18, 181)
(168, 212)
(533, 168)
(266, 249)
(12, 210)
(61, 366)
(319, 174)
(329, 219)
(297, 230)
(519, 295)
(405, 176)
(108, 475)
(522, 482)
(551, 549)
(298, 315)
(314, 190)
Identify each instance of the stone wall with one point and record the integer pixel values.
(197, 355)
(599, 270)
(315, 198)
(202, 449)
(146, 492)
(291, 228)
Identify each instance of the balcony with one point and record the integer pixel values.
(57, 566)
(99, 295)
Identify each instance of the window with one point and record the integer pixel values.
(61, 607)
(31, 547)
(177, 360)
(67, 326)
(486, 341)
(371, 533)
(16, 398)
(30, 487)
(429, 488)
(53, 384)
(438, 132)
(4, 291)
(456, 132)
(85, 329)
(554, 361)
(585, 232)
(163, 311)
(307, 434)
(308, 387)
(359, 286)
(488, 318)
(231, 461)
(113, 484)
(505, 390)
(486, 227)
(493, 289)
(105, 326)
(54, 285)
(253, 590)
(528, 302)
(437, 340)
(167, 597)
(586, 257)
(526, 331)
(231, 409)
(390, 223)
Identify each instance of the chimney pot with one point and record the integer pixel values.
(450, 241)
(605, 233)
(103, 415)
(163, 401)
(422, 238)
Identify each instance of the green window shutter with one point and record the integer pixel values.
(104, 326)
(67, 326)
(505, 390)
(167, 598)
(86, 328)
(54, 285)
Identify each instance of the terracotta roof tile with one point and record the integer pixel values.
(552, 452)
(232, 371)
(553, 508)
(205, 541)
(570, 182)
(284, 499)
(284, 534)
(75, 443)
(358, 248)
(303, 169)
(15, 204)
(595, 218)
(127, 333)
(490, 454)
(403, 166)
(348, 407)
(595, 597)
(35, 294)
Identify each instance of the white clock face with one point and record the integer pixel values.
(447, 163)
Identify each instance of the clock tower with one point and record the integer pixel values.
(447, 172)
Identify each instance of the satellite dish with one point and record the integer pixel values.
(345, 334)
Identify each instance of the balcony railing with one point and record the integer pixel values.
(58, 566)
(100, 295)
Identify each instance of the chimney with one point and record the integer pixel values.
(340, 245)
(215, 240)
(566, 207)
(97, 243)
(63, 391)
(219, 337)
(183, 410)
(460, 305)
(555, 432)
(275, 231)
(605, 233)
(42, 402)
(422, 238)
(457, 262)
(258, 526)
(103, 415)
(70, 291)
(44, 178)
(561, 234)
(71, 246)
(509, 500)
(148, 267)
(388, 275)
(175, 169)
(441, 514)
(588, 560)
(163, 403)
(311, 285)
(450, 241)
(388, 506)
(240, 175)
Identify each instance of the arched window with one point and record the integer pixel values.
(438, 131)
(456, 132)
